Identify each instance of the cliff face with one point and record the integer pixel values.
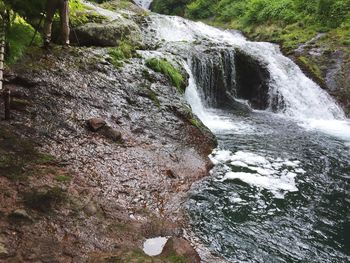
(121, 151)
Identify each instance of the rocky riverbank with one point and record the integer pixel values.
(98, 156)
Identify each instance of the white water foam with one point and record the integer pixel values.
(275, 175)
(336, 128)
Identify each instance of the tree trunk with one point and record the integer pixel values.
(2, 47)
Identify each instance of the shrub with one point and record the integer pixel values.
(19, 38)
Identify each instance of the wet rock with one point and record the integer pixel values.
(231, 74)
(170, 174)
(91, 209)
(109, 34)
(95, 124)
(111, 134)
(20, 215)
(3, 250)
(183, 248)
(252, 81)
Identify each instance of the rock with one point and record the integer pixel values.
(90, 209)
(111, 134)
(3, 250)
(109, 34)
(252, 82)
(183, 248)
(170, 174)
(20, 215)
(95, 124)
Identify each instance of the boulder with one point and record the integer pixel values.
(181, 247)
(108, 33)
(3, 250)
(91, 209)
(95, 124)
(20, 215)
(111, 134)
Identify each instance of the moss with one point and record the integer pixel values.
(149, 93)
(165, 67)
(174, 258)
(115, 5)
(63, 178)
(44, 200)
(147, 75)
(195, 123)
(311, 66)
(124, 51)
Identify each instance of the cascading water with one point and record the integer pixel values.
(279, 191)
(144, 3)
(302, 97)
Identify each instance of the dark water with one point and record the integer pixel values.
(245, 222)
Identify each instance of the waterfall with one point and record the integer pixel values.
(144, 3)
(290, 92)
(215, 73)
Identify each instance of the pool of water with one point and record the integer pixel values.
(279, 192)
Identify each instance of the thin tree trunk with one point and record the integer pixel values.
(2, 48)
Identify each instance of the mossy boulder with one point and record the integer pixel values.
(109, 34)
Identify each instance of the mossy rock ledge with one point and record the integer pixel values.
(108, 33)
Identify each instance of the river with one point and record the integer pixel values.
(279, 191)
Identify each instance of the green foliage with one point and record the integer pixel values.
(171, 7)
(313, 67)
(201, 9)
(18, 38)
(327, 13)
(165, 67)
(288, 22)
(28, 9)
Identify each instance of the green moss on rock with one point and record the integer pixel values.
(165, 67)
(125, 50)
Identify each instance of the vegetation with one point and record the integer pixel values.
(171, 7)
(289, 22)
(165, 67)
(125, 50)
(24, 18)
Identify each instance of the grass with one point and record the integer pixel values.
(166, 68)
